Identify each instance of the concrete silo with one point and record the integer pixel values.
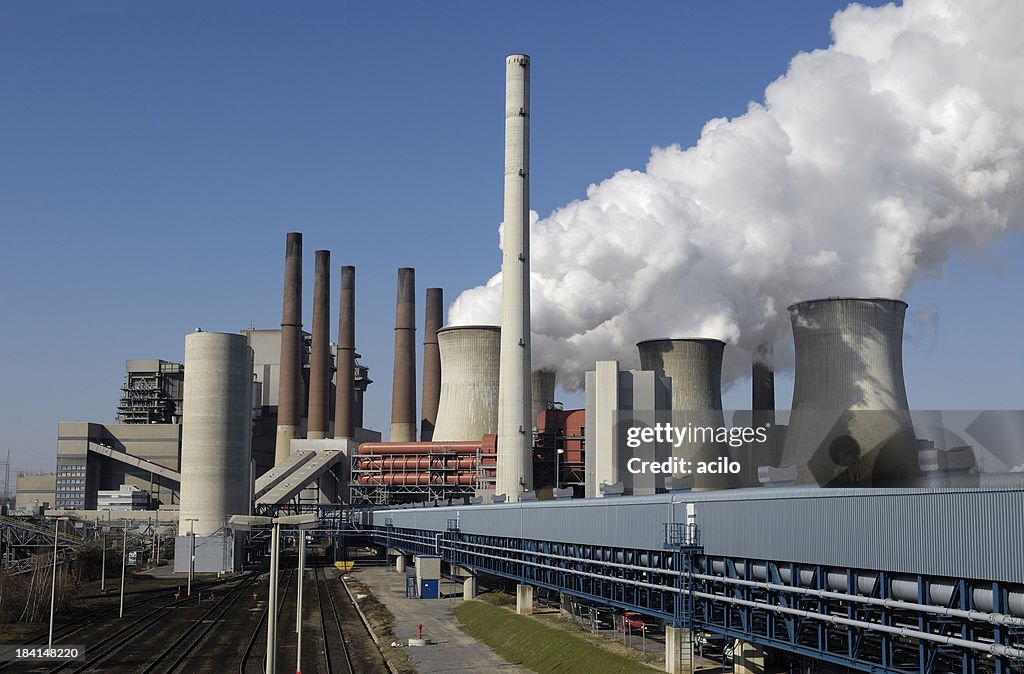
(468, 409)
(216, 438)
(850, 422)
(694, 368)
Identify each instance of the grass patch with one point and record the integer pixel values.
(536, 646)
(496, 598)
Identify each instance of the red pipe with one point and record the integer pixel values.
(462, 447)
(418, 478)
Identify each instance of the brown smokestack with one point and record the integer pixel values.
(762, 407)
(403, 387)
(763, 393)
(345, 381)
(431, 363)
(320, 350)
(291, 350)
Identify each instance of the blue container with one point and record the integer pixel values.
(428, 589)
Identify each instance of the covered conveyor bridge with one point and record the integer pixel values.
(877, 580)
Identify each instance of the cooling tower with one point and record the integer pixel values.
(694, 367)
(542, 392)
(850, 423)
(344, 404)
(434, 318)
(403, 388)
(515, 440)
(320, 350)
(469, 382)
(290, 391)
(216, 431)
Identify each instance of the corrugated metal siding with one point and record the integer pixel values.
(970, 533)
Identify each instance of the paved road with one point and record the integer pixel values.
(453, 650)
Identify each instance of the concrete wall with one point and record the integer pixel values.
(213, 554)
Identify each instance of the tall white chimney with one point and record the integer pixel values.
(515, 437)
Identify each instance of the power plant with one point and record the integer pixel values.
(837, 535)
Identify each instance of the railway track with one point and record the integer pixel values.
(68, 628)
(255, 649)
(222, 629)
(335, 651)
(103, 650)
(171, 658)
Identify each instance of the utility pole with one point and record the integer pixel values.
(124, 564)
(53, 586)
(7, 480)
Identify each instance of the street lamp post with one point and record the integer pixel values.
(301, 522)
(53, 586)
(275, 543)
(298, 600)
(191, 552)
(558, 452)
(103, 564)
(124, 564)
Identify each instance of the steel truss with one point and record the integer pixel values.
(871, 632)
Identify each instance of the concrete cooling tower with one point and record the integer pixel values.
(468, 409)
(850, 423)
(694, 367)
(216, 431)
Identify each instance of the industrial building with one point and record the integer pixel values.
(92, 457)
(616, 398)
(35, 491)
(152, 392)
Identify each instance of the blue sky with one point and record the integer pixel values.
(155, 154)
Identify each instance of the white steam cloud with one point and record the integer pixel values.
(866, 164)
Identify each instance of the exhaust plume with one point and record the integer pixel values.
(863, 168)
